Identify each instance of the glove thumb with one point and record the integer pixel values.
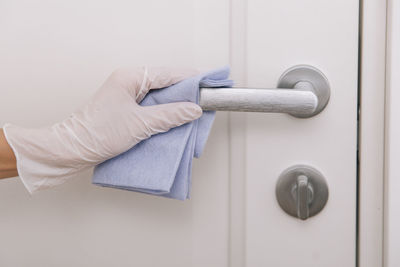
(161, 118)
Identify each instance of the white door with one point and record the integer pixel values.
(323, 34)
(54, 55)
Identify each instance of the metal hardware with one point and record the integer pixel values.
(302, 191)
(303, 91)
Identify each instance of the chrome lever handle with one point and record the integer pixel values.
(303, 91)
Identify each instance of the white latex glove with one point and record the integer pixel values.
(110, 124)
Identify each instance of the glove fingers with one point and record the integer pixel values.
(160, 77)
(138, 81)
(161, 118)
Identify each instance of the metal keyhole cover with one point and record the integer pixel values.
(302, 191)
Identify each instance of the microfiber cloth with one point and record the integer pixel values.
(162, 164)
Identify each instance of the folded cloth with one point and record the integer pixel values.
(162, 164)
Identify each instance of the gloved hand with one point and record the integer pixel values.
(110, 124)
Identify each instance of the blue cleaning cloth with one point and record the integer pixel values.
(162, 164)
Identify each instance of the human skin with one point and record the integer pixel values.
(8, 162)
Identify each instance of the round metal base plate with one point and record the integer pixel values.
(305, 73)
(286, 182)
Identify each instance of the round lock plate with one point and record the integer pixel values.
(288, 180)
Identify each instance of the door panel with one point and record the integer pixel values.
(282, 34)
(53, 56)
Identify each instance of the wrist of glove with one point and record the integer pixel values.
(110, 124)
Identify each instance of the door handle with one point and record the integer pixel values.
(302, 191)
(303, 91)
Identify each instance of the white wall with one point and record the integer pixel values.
(392, 182)
(53, 56)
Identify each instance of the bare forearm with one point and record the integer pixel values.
(8, 163)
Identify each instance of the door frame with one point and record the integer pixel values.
(371, 144)
(391, 236)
